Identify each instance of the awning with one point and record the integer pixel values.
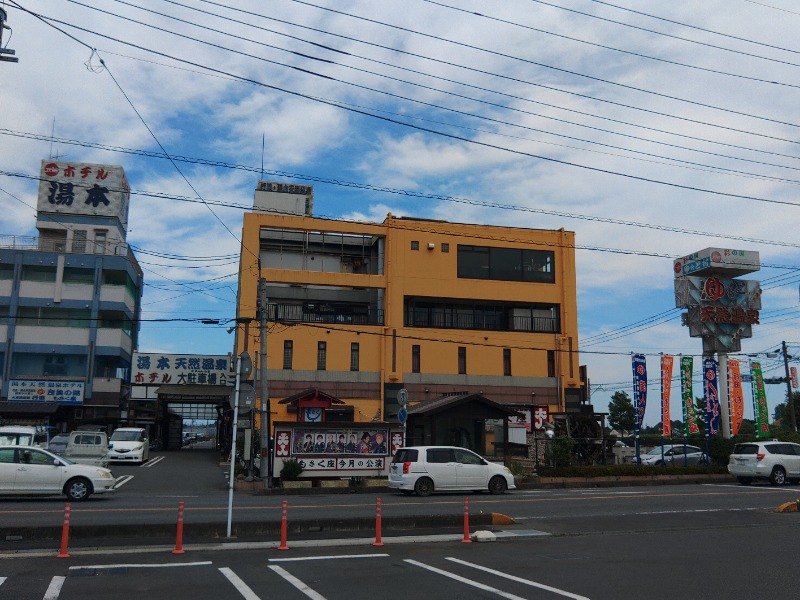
(28, 408)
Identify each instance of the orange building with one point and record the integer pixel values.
(360, 311)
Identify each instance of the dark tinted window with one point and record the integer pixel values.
(745, 449)
(440, 455)
(406, 455)
(775, 448)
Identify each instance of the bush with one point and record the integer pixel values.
(291, 469)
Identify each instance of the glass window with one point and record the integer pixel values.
(468, 458)
(6, 271)
(415, 245)
(440, 455)
(79, 241)
(288, 350)
(322, 355)
(505, 264)
(445, 247)
(6, 455)
(551, 363)
(415, 359)
(507, 362)
(81, 276)
(38, 273)
(462, 360)
(354, 350)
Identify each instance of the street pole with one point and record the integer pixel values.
(233, 442)
(789, 398)
(265, 468)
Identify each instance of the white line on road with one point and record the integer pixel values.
(2, 579)
(240, 585)
(480, 586)
(152, 462)
(297, 583)
(143, 565)
(327, 557)
(122, 481)
(519, 579)
(54, 589)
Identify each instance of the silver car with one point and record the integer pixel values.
(30, 471)
(674, 455)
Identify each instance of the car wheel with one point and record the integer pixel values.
(498, 485)
(78, 489)
(778, 476)
(423, 486)
(745, 480)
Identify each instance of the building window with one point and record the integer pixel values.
(415, 358)
(551, 363)
(354, 356)
(100, 239)
(288, 348)
(507, 362)
(79, 241)
(445, 247)
(322, 355)
(415, 245)
(462, 360)
(506, 264)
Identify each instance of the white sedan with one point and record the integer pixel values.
(28, 471)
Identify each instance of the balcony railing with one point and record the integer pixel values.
(480, 320)
(36, 244)
(342, 315)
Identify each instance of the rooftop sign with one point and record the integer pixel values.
(718, 261)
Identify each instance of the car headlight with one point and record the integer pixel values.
(104, 474)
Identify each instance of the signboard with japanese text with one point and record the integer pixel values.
(735, 395)
(711, 261)
(760, 408)
(44, 390)
(666, 389)
(711, 396)
(687, 397)
(639, 365)
(541, 416)
(68, 187)
(340, 449)
(191, 369)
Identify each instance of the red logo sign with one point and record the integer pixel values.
(713, 288)
(51, 170)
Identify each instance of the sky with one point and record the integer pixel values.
(650, 129)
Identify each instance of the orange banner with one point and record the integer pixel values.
(736, 395)
(666, 387)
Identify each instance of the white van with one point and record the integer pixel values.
(129, 444)
(23, 435)
(88, 448)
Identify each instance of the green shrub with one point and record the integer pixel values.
(291, 469)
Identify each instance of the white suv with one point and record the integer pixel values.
(425, 469)
(777, 461)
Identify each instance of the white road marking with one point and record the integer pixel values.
(519, 579)
(480, 586)
(152, 462)
(240, 585)
(54, 589)
(143, 565)
(122, 481)
(297, 583)
(2, 579)
(327, 557)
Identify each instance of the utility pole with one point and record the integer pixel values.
(265, 470)
(6, 54)
(789, 398)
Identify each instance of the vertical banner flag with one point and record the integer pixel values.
(639, 390)
(736, 395)
(666, 386)
(687, 395)
(759, 401)
(711, 395)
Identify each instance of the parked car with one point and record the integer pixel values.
(31, 471)
(675, 455)
(58, 443)
(88, 448)
(426, 469)
(779, 462)
(23, 435)
(129, 444)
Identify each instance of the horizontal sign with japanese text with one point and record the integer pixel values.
(44, 390)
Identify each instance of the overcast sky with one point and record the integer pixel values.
(650, 129)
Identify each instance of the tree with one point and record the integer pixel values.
(783, 414)
(620, 412)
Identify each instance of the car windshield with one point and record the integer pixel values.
(126, 436)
